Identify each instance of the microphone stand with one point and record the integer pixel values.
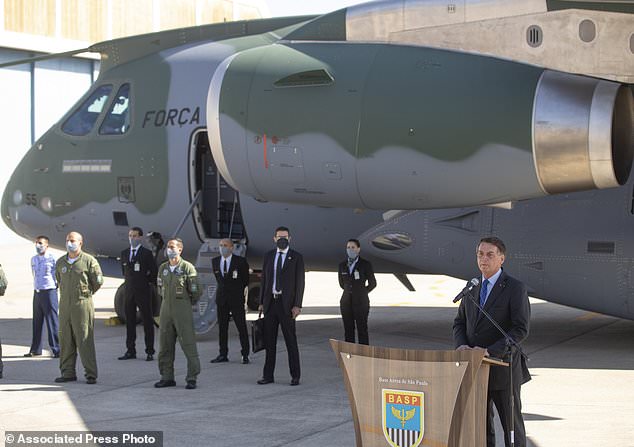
(510, 345)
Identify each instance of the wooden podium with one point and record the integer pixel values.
(409, 398)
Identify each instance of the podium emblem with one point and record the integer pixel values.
(403, 417)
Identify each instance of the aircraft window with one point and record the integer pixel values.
(117, 121)
(83, 120)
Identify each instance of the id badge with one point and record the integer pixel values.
(137, 267)
(356, 274)
(234, 275)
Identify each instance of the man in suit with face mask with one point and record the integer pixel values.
(232, 275)
(281, 297)
(139, 270)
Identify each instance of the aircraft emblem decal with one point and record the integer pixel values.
(403, 417)
(126, 189)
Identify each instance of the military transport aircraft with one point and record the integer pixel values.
(364, 122)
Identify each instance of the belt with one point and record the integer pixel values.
(277, 296)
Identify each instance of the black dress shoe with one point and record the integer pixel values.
(294, 382)
(31, 354)
(149, 357)
(164, 383)
(264, 381)
(55, 355)
(245, 359)
(66, 379)
(127, 356)
(220, 359)
(91, 380)
(191, 385)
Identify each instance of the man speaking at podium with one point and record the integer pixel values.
(506, 300)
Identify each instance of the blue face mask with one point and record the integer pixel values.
(72, 247)
(134, 243)
(225, 251)
(40, 249)
(352, 253)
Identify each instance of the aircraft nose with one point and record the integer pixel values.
(4, 208)
(23, 208)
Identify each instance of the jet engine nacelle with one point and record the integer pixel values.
(392, 127)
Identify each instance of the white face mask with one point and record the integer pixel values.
(72, 247)
(40, 248)
(172, 254)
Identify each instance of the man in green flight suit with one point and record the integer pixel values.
(79, 277)
(178, 285)
(3, 286)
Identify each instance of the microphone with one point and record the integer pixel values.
(475, 282)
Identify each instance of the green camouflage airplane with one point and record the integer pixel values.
(337, 125)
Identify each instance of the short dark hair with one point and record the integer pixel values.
(178, 241)
(138, 230)
(494, 241)
(282, 229)
(43, 237)
(356, 242)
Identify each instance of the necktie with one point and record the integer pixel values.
(132, 254)
(224, 267)
(483, 292)
(278, 271)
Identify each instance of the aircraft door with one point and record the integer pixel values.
(217, 214)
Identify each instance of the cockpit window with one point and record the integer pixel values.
(83, 120)
(117, 120)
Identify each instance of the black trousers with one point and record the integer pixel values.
(500, 398)
(237, 310)
(143, 300)
(354, 312)
(275, 317)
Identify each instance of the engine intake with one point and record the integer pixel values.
(582, 133)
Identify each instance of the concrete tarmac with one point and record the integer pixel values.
(582, 392)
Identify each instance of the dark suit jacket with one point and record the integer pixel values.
(357, 288)
(508, 305)
(139, 281)
(231, 289)
(291, 280)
